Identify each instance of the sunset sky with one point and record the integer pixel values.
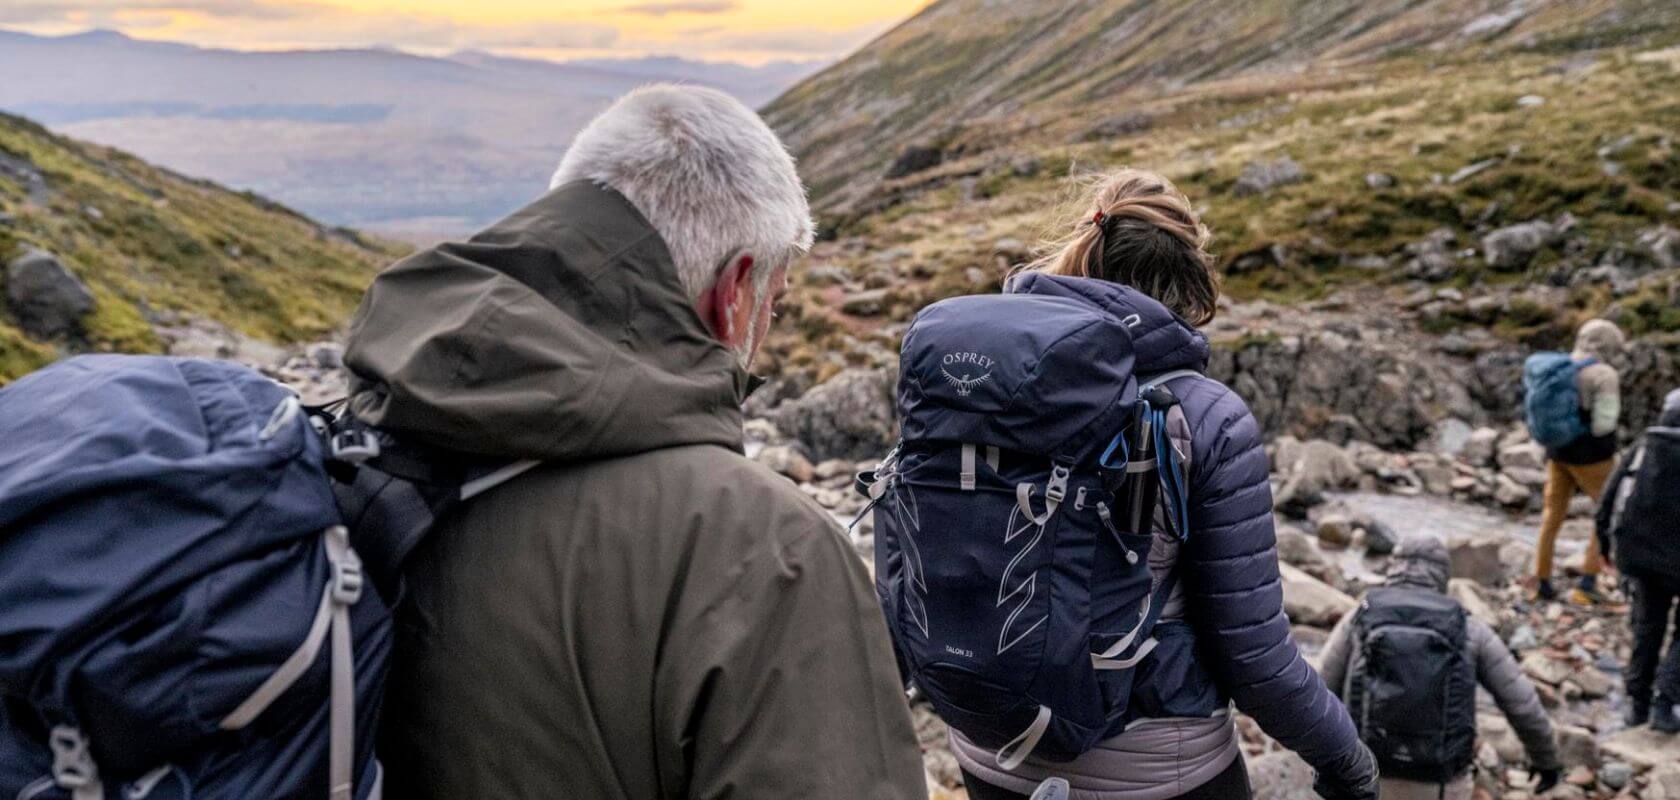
(750, 31)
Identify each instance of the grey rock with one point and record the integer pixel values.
(1662, 245)
(1379, 180)
(1310, 601)
(1476, 559)
(1473, 170)
(1526, 455)
(914, 159)
(1577, 746)
(1514, 246)
(1129, 123)
(1479, 448)
(851, 416)
(867, 303)
(1615, 774)
(787, 460)
(1451, 436)
(1261, 177)
(327, 355)
(1640, 747)
(47, 298)
(1281, 776)
(1489, 26)
(1530, 101)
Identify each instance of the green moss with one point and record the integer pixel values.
(19, 355)
(145, 238)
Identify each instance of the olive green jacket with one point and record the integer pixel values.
(650, 614)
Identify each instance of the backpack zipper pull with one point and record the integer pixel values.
(1108, 521)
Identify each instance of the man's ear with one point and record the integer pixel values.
(725, 297)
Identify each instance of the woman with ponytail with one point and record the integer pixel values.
(1224, 638)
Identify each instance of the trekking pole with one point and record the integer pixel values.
(1141, 481)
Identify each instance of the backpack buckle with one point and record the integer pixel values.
(347, 581)
(1056, 489)
(354, 446)
(72, 764)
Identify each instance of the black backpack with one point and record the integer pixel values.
(1644, 526)
(1414, 695)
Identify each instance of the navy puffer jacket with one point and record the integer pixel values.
(1229, 565)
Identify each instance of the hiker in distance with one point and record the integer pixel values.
(1408, 661)
(1573, 404)
(1136, 260)
(648, 614)
(1637, 523)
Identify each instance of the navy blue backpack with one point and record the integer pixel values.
(196, 577)
(1014, 521)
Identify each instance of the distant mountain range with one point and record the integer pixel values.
(412, 145)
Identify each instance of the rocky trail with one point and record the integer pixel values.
(1341, 509)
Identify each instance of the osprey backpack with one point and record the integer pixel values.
(1644, 527)
(196, 582)
(1413, 693)
(1014, 521)
(1552, 399)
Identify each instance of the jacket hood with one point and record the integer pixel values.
(561, 332)
(1421, 561)
(1670, 417)
(1163, 341)
(1599, 339)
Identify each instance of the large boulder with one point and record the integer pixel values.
(1310, 601)
(1514, 246)
(1345, 385)
(1260, 177)
(851, 416)
(1642, 747)
(46, 297)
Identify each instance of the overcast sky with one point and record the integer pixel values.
(749, 31)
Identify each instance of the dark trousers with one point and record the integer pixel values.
(1232, 784)
(1654, 599)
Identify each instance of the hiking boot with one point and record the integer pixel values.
(1638, 713)
(1663, 718)
(1543, 592)
(1586, 597)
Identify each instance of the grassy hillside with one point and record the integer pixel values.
(970, 74)
(151, 245)
(1574, 120)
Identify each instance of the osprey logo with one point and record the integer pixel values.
(965, 371)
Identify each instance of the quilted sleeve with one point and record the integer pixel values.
(1235, 597)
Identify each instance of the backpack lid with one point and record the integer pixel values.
(1030, 373)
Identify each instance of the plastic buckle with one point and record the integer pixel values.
(354, 446)
(347, 580)
(72, 764)
(1056, 491)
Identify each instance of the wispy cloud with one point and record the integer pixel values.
(116, 11)
(660, 9)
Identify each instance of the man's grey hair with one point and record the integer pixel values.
(706, 171)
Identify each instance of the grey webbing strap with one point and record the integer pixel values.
(1141, 465)
(994, 458)
(473, 488)
(1125, 641)
(346, 591)
(1133, 660)
(1015, 752)
(1163, 380)
(968, 467)
(331, 617)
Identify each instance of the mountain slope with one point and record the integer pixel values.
(971, 72)
(155, 247)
